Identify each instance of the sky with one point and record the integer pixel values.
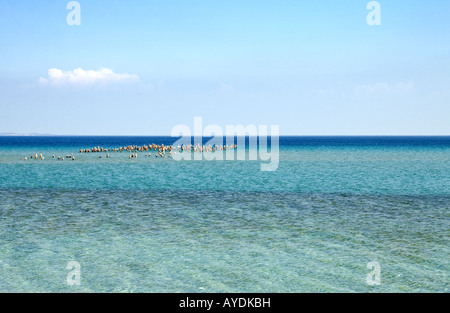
(141, 67)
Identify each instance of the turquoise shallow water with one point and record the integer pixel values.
(158, 225)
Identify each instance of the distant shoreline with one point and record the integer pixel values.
(25, 135)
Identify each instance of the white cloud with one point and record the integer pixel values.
(384, 89)
(80, 77)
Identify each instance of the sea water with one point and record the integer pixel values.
(149, 224)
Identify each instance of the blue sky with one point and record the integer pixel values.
(311, 67)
